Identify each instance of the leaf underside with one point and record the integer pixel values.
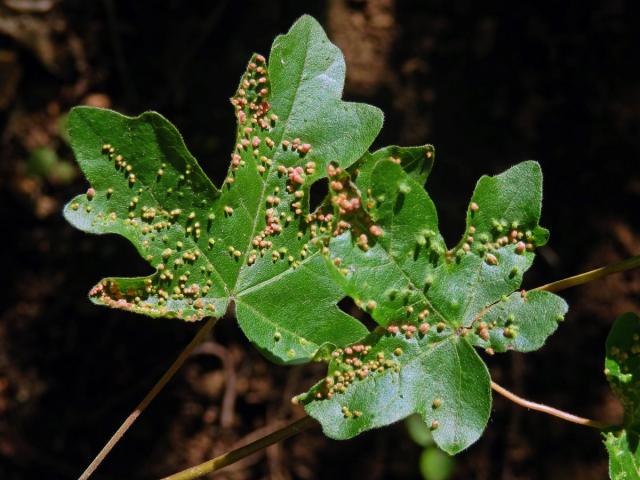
(254, 243)
(622, 368)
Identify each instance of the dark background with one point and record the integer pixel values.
(489, 83)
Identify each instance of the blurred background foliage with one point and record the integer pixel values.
(489, 84)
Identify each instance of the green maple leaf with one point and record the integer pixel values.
(254, 245)
(622, 368)
(249, 242)
(433, 304)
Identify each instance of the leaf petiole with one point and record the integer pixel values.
(590, 276)
(540, 407)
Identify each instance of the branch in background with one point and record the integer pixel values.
(175, 366)
(233, 456)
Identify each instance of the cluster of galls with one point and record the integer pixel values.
(275, 220)
(151, 221)
(154, 298)
(145, 217)
(251, 95)
(622, 355)
(509, 331)
(119, 162)
(108, 293)
(254, 119)
(319, 223)
(297, 146)
(416, 312)
(354, 363)
(427, 239)
(347, 204)
(344, 196)
(503, 233)
(409, 330)
(255, 123)
(296, 178)
(347, 413)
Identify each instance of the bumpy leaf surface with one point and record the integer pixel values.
(433, 304)
(254, 244)
(622, 368)
(249, 242)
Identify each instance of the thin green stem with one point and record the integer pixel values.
(202, 333)
(233, 456)
(628, 264)
(540, 407)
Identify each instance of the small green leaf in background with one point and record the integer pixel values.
(40, 162)
(435, 464)
(433, 303)
(622, 368)
(249, 242)
(418, 430)
(44, 162)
